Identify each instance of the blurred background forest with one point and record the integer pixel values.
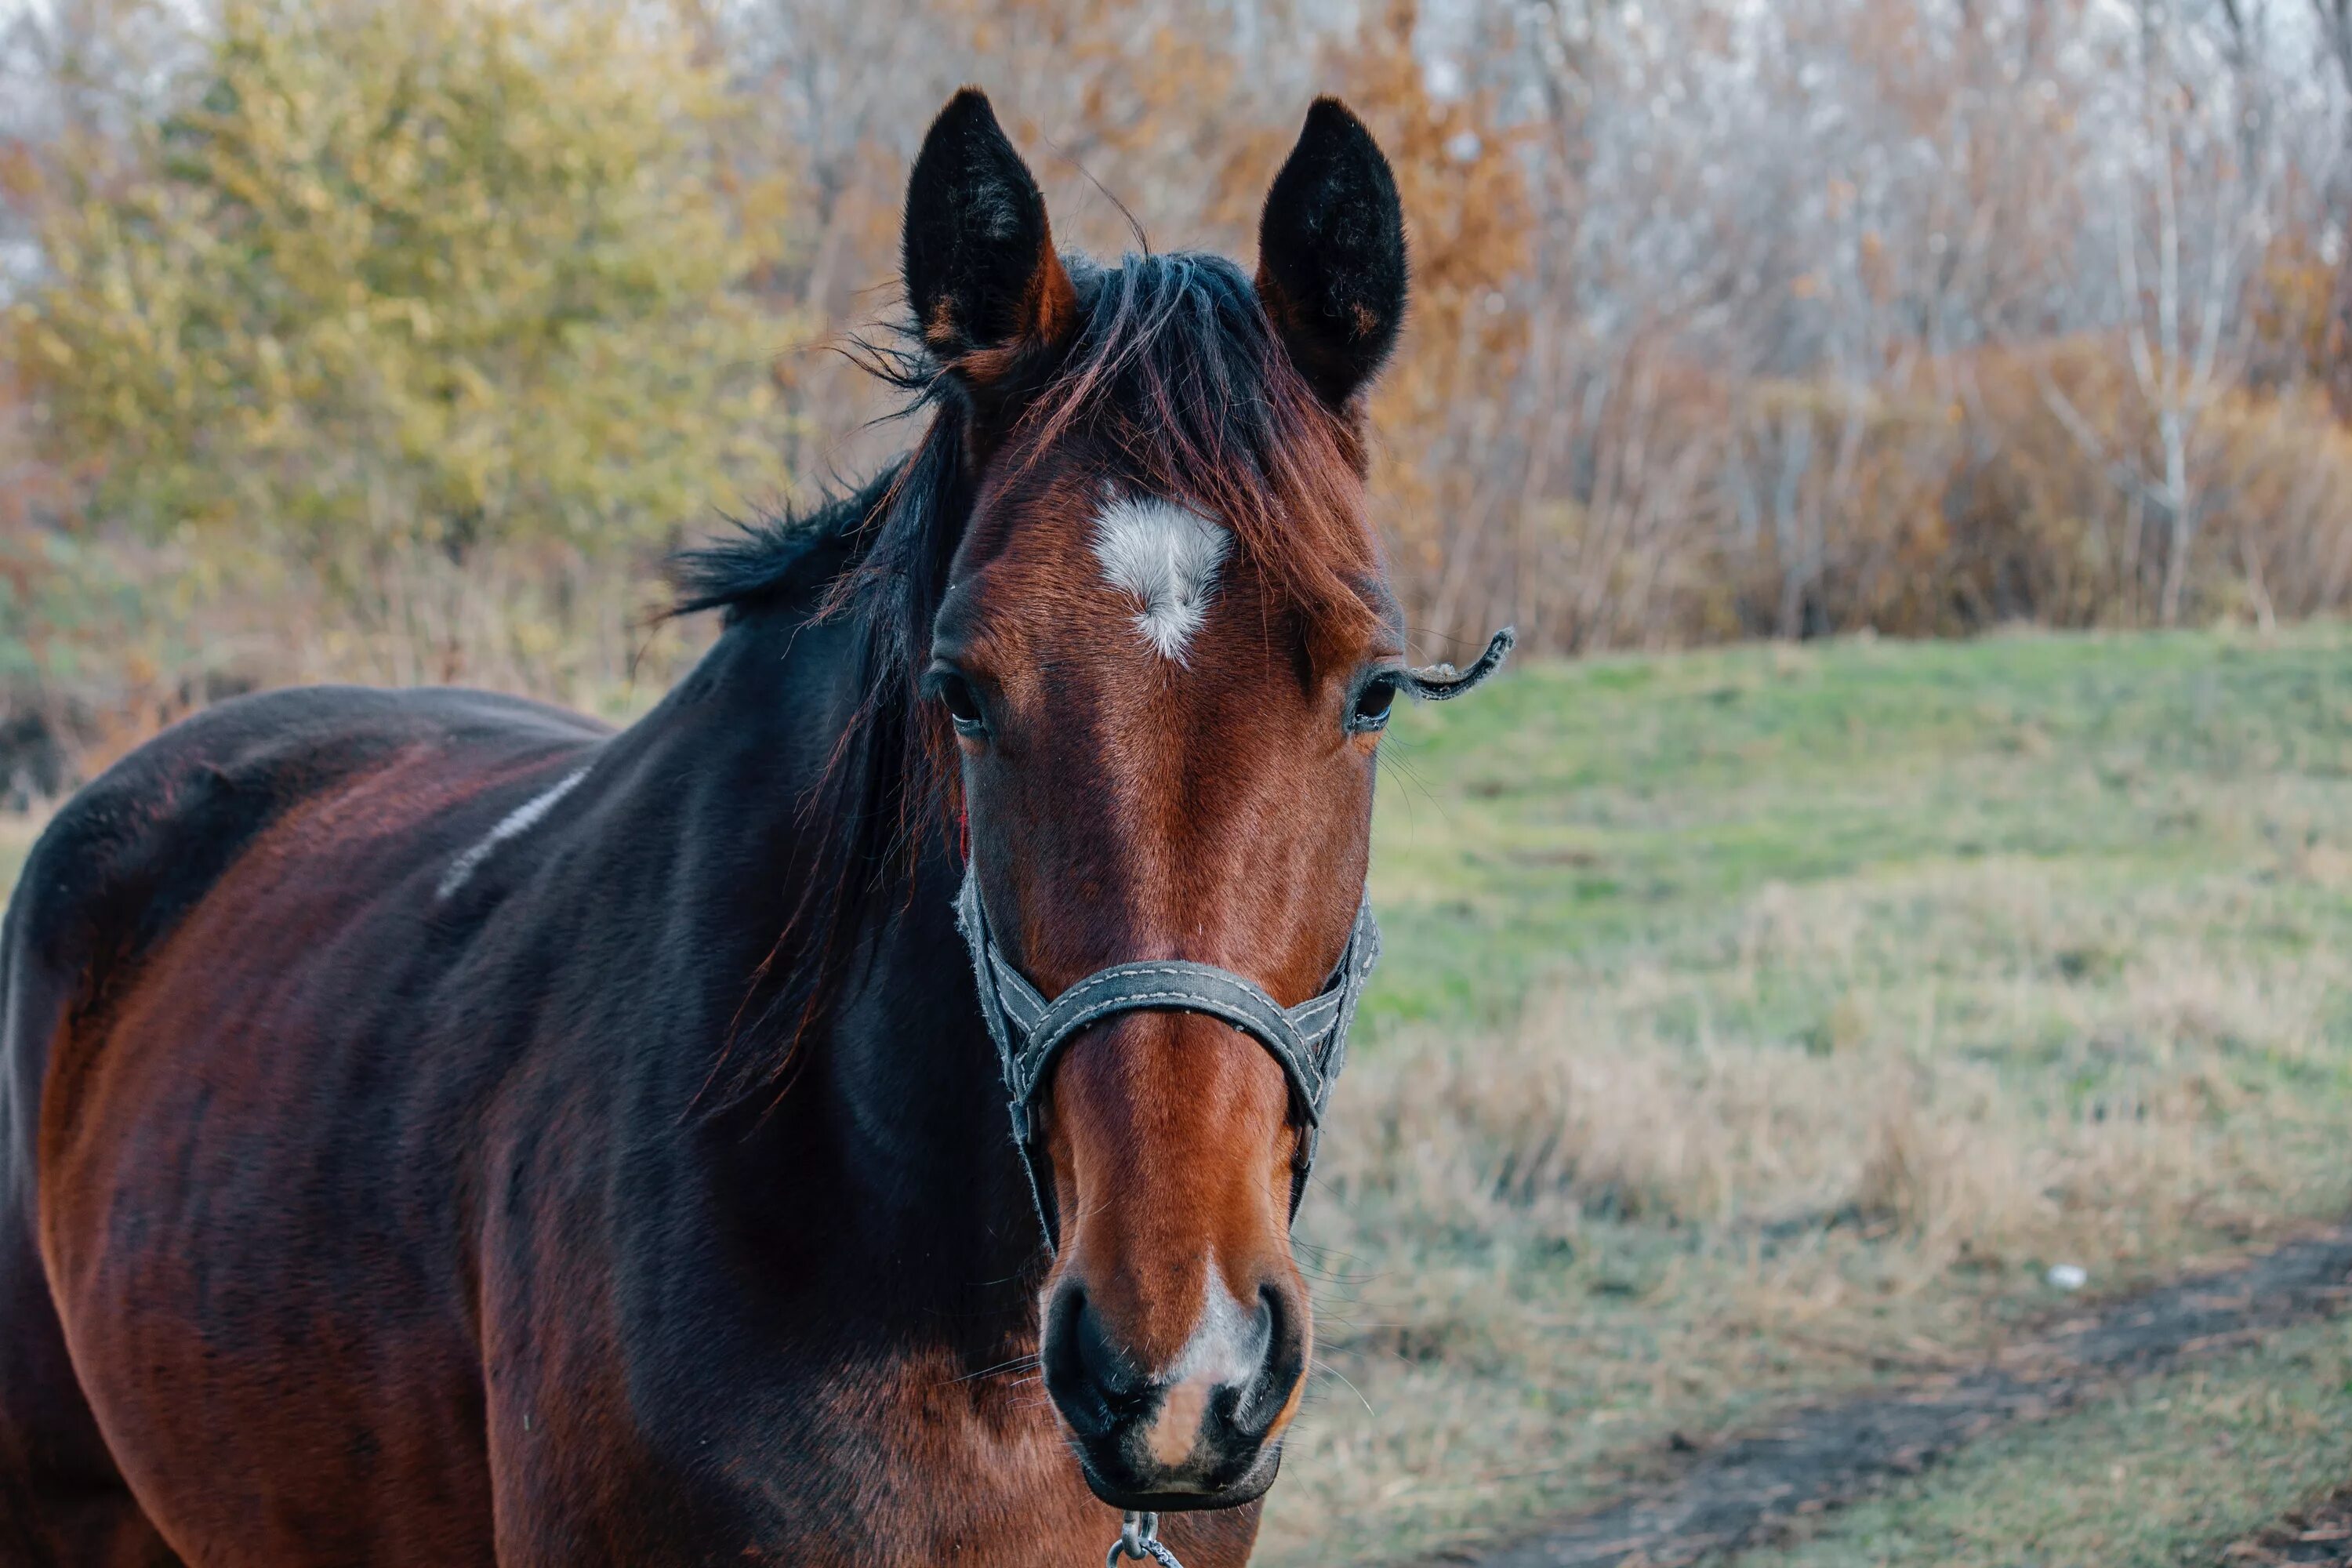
(400, 341)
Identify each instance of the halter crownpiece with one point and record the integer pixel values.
(1309, 1041)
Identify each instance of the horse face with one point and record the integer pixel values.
(1166, 652)
(1131, 797)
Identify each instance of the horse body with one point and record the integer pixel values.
(429, 1182)
(181, 1168)
(435, 1128)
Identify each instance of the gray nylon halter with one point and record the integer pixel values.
(1309, 1041)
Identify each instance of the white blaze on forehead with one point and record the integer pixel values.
(1165, 557)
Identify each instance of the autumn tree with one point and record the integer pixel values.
(434, 276)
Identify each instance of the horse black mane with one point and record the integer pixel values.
(777, 554)
(1179, 385)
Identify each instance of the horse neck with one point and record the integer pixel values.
(885, 1135)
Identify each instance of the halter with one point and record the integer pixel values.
(1309, 1042)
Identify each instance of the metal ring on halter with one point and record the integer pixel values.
(1139, 1541)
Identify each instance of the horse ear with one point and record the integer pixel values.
(1332, 269)
(981, 270)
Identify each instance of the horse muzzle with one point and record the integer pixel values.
(1201, 1433)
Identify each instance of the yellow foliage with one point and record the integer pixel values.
(443, 273)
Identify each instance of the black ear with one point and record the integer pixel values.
(1332, 269)
(981, 270)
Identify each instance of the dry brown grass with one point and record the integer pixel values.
(1546, 1250)
(153, 634)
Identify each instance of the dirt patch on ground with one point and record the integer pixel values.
(1736, 1493)
(2318, 1537)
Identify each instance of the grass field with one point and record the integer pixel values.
(1765, 1023)
(2164, 1473)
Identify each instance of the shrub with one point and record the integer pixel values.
(435, 276)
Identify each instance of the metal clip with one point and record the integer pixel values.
(1139, 1541)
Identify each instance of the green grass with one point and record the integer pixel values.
(1590, 806)
(1763, 1023)
(2164, 1474)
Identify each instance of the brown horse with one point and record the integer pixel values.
(437, 1130)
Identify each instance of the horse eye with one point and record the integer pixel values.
(962, 701)
(1372, 704)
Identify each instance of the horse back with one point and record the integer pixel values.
(121, 866)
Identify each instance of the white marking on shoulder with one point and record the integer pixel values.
(513, 825)
(1166, 556)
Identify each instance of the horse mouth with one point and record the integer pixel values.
(1186, 1496)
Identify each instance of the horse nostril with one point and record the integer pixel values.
(1196, 1424)
(1262, 1403)
(1104, 1365)
(1092, 1380)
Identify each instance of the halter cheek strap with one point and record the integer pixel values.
(1309, 1042)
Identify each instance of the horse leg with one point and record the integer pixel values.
(63, 1503)
(94, 1528)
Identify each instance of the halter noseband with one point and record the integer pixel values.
(1309, 1041)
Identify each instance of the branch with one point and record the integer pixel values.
(2121, 475)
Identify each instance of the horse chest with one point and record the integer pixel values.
(976, 1471)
